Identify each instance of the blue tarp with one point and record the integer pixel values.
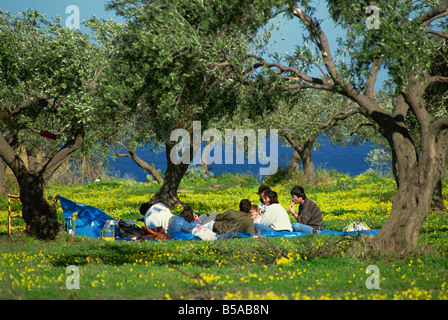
(275, 234)
(90, 220)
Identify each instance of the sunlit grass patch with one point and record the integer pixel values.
(308, 267)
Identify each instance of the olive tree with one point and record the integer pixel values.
(401, 42)
(48, 74)
(173, 64)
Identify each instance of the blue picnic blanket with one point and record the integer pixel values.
(274, 234)
(90, 221)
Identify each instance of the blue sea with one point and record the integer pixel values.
(345, 159)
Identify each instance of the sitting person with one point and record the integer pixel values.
(233, 220)
(275, 218)
(256, 213)
(185, 221)
(157, 215)
(261, 191)
(309, 219)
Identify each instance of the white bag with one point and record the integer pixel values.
(204, 233)
(356, 226)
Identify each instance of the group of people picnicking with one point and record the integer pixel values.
(269, 216)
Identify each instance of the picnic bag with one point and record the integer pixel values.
(204, 233)
(126, 230)
(156, 234)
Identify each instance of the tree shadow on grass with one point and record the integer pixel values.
(122, 252)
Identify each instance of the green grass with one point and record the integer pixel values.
(309, 267)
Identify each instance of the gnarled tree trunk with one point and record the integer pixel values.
(437, 198)
(40, 217)
(411, 204)
(294, 163)
(174, 173)
(417, 173)
(441, 145)
(3, 186)
(304, 154)
(307, 162)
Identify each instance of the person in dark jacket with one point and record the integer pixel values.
(309, 219)
(233, 220)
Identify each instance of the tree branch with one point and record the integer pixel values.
(49, 167)
(299, 80)
(277, 13)
(26, 104)
(428, 22)
(297, 86)
(140, 162)
(305, 80)
(322, 41)
(433, 14)
(315, 63)
(437, 79)
(371, 80)
(96, 76)
(440, 124)
(339, 115)
(281, 67)
(293, 142)
(401, 107)
(11, 158)
(440, 34)
(364, 124)
(120, 155)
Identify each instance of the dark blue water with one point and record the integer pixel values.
(348, 159)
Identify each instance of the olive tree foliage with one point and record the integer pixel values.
(301, 120)
(176, 62)
(124, 131)
(48, 77)
(403, 44)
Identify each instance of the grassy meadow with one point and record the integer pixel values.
(308, 267)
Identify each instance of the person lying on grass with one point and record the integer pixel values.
(159, 215)
(233, 220)
(185, 221)
(275, 217)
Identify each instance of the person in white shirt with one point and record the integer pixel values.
(158, 215)
(275, 217)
